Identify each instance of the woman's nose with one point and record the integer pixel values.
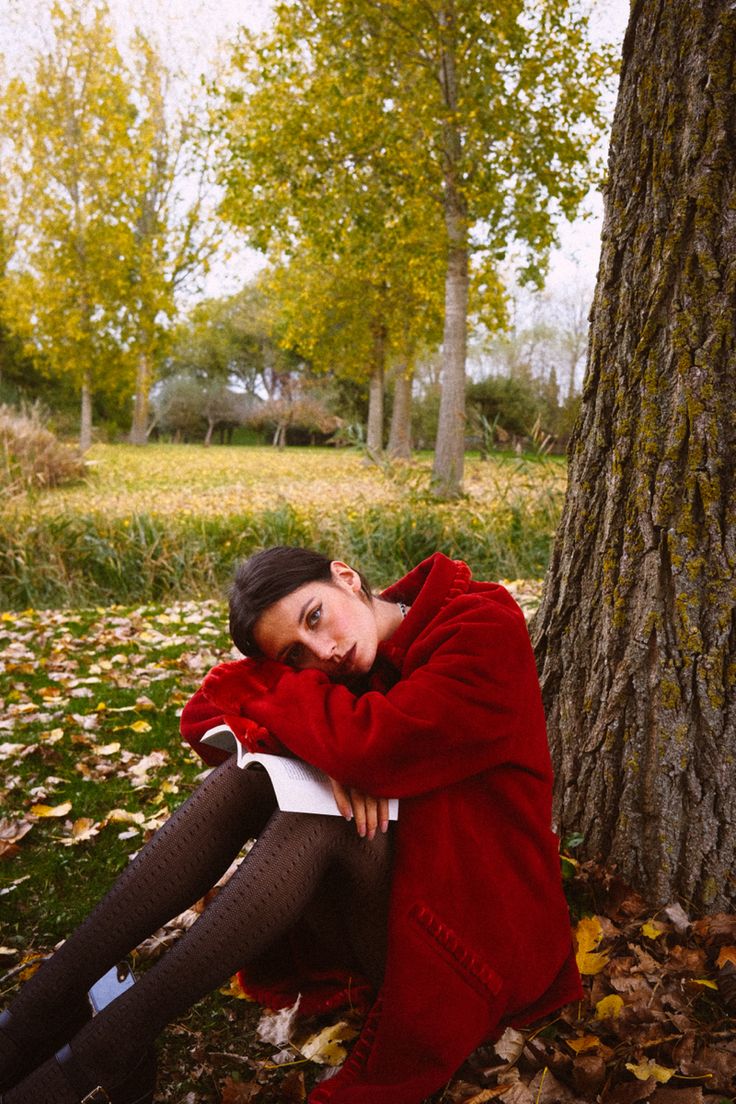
(323, 649)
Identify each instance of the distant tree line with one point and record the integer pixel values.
(399, 171)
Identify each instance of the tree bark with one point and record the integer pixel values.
(85, 417)
(139, 429)
(399, 440)
(636, 635)
(449, 457)
(374, 431)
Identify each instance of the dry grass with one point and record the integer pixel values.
(185, 480)
(170, 521)
(31, 457)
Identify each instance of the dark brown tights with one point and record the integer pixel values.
(266, 895)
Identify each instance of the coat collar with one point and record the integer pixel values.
(427, 589)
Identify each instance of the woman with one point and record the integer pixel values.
(427, 693)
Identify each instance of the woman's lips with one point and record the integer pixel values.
(345, 665)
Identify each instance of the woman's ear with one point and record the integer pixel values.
(345, 576)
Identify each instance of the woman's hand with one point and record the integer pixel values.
(369, 812)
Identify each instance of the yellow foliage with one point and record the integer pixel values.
(51, 810)
(588, 935)
(649, 1068)
(609, 1006)
(140, 726)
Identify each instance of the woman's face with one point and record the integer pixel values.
(328, 625)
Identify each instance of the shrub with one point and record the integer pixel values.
(31, 456)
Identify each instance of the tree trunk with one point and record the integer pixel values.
(85, 418)
(374, 433)
(399, 440)
(139, 429)
(449, 457)
(636, 635)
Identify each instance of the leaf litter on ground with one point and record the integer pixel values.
(93, 765)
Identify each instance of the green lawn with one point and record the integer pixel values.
(168, 521)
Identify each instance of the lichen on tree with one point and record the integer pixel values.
(636, 635)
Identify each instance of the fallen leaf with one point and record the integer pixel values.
(84, 828)
(122, 816)
(649, 1068)
(140, 726)
(276, 1027)
(589, 1074)
(234, 989)
(324, 1047)
(239, 1092)
(608, 1006)
(651, 931)
(486, 1094)
(588, 935)
(510, 1045)
(583, 1043)
(677, 916)
(726, 954)
(51, 810)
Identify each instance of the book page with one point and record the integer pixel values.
(299, 787)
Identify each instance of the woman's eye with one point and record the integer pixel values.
(314, 616)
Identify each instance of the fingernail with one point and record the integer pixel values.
(372, 834)
(361, 830)
(348, 816)
(384, 826)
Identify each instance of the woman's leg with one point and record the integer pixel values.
(266, 895)
(181, 862)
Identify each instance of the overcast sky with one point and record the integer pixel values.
(194, 30)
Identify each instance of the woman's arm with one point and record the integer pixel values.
(470, 701)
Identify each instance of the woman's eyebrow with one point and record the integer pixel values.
(300, 618)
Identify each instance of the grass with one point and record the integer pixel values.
(168, 521)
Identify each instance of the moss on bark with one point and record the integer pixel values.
(636, 635)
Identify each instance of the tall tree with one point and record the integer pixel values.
(636, 634)
(173, 233)
(353, 316)
(472, 121)
(67, 138)
(106, 185)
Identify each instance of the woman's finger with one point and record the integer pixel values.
(371, 815)
(358, 801)
(342, 799)
(383, 813)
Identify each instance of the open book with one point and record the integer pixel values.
(299, 787)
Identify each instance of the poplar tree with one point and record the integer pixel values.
(469, 124)
(96, 166)
(356, 318)
(173, 235)
(67, 141)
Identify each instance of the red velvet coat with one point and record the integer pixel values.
(479, 933)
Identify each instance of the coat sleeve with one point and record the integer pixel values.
(469, 701)
(202, 713)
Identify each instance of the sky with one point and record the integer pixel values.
(194, 32)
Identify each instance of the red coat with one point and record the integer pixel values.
(479, 933)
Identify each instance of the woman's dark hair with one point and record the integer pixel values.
(267, 576)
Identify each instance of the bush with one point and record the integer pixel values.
(31, 456)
